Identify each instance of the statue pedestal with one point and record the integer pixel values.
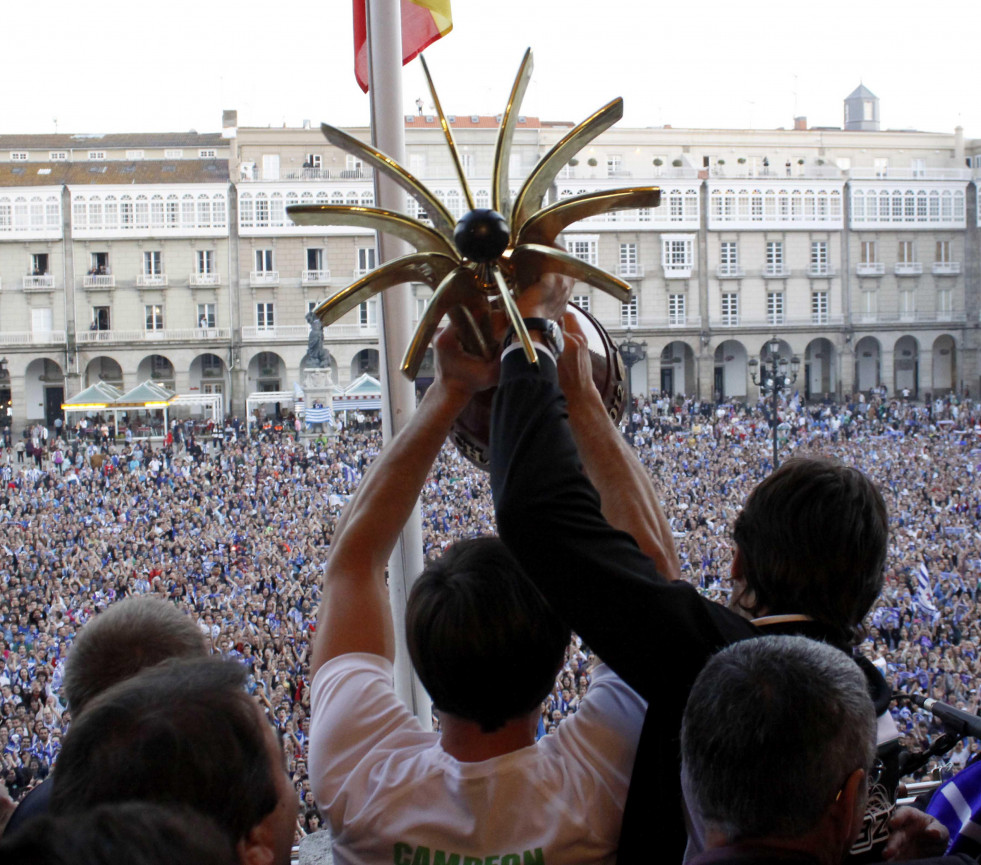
(318, 389)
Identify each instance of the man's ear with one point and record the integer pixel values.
(846, 813)
(256, 848)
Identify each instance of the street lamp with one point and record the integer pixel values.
(774, 380)
(632, 353)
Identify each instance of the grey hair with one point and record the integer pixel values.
(131, 635)
(773, 728)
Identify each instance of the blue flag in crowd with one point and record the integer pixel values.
(923, 598)
(957, 804)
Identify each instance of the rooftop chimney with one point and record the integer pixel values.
(800, 123)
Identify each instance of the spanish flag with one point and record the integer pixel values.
(423, 22)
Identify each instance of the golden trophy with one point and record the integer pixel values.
(484, 261)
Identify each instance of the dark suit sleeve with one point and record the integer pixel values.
(596, 577)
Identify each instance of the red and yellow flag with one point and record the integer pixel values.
(423, 22)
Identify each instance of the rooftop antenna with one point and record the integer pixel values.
(55, 121)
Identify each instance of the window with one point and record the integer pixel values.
(676, 309)
(819, 258)
(867, 252)
(206, 315)
(628, 260)
(100, 264)
(774, 307)
(905, 254)
(207, 154)
(152, 263)
(58, 156)
(97, 154)
(628, 313)
(907, 304)
(264, 261)
(870, 305)
(265, 316)
(100, 318)
(614, 165)
(366, 259)
(41, 321)
(417, 163)
(368, 314)
(730, 308)
(943, 252)
(173, 154)
(819, 307)
(468, 162)
(39, 264)
(880, 163)
(18, 156)
(154, 316)
(582, 301)
(204, 262)
(583, 249)
(945, 303)
(315, 259)
(728, 258)
(677, 255)
(774, 258)
(134, 154)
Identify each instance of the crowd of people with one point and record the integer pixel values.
(236, 531)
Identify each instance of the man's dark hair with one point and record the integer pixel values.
(137, 833)
(773, 728)
(472, 610)
(813, 538)
(184, 732)
(131, 635)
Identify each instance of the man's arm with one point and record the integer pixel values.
(354, 614)
(627, 495)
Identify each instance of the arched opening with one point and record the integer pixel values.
(104, 369)
(867, 357)
(731, 371)
(820, 381)
(267, 372)
(365, 361)
(157, 368)
(906, 366)
(677, 369)
(44, 391)
(944, 378)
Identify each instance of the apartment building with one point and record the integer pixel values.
(857, 248)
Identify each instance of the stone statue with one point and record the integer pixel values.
(317, 357)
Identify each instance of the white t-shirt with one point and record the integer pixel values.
(391, 794)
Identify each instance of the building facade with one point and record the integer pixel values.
(170, 257)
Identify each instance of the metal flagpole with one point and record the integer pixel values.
(384, 32)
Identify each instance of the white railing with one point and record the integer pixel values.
(314, 277)
(910, 173)
(730, 271)
(151, 280)
(39, 283)
(677, 271)
(797, 172)
(630, 271)
(196, 279)
(908, 268)
(264, 277)
(947, 268)
(870, 268)
(276, 332)
(185, 334)
(26, 337)
(362, 271)
(364, 173)
(98, 281)
(820, 271)
(775, 271)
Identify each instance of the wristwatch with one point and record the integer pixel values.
(550, 330)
